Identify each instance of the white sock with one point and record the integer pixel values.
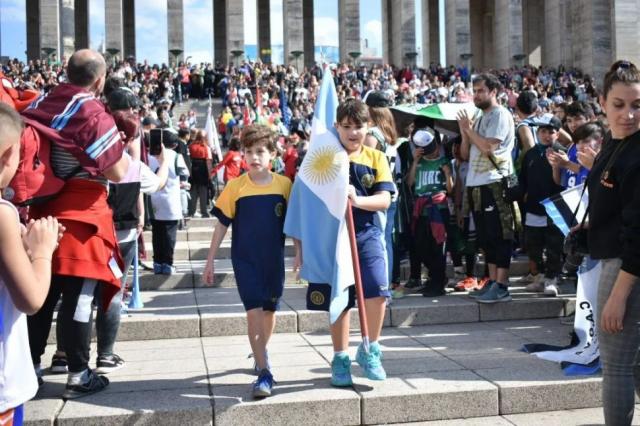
(78, 378)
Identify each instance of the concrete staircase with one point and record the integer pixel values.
(447, 358)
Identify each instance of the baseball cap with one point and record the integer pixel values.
(425, 139)
(549, 121)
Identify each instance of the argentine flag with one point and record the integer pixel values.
(318, 203)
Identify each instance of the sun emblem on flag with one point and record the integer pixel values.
(322, 166)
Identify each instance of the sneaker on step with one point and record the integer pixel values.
(341, 371)
(256, 369)
(466, 284)
(168, 269)
(481, 290)
(551, 287)
(398, 293)
(497, 293)
(59, 364)
(536, 286)
(529, 278)
(157, 268)
(93, 384)
(264, 385)
(371, 363)
(109, 363)
(413, 284)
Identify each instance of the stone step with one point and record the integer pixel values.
(198, 250)
(469, 374)
(189, 274)
(204, 312)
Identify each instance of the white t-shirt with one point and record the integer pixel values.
(166, 203)
(495, 124)
(18, 382)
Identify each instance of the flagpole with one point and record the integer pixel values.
(362, 311)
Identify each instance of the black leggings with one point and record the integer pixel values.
(76, 316)
(497, 250)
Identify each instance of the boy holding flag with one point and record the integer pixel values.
(337, 168)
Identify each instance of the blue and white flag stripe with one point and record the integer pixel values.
(99, 144)
(318, 203)
(560, 208)
(72, 107)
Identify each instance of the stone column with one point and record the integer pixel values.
(625, 43)
(458, 26)
(293, 33)
(235, 30)
(507, 34)
(67, 29)
(114, 43)
(220, 52)
(556, 46)
(129, 27)
(33, 29)
(309, 37)
(592, 47)
(399, 31)
(349, 29)
(175, 30)
(50, 27)
(430, 32)
(264, 30)
(81, 24)
(533, 30)
(480, 18)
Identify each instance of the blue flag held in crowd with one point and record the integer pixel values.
(318, 203)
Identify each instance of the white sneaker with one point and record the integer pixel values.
(537, 284)
(529, 278)
(551, 287)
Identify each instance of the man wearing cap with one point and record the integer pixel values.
(487, 143)
(537, 183)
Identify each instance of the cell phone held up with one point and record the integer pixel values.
(156, 141)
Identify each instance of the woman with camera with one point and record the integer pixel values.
(614, 238)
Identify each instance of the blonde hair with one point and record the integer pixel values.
(9, 120)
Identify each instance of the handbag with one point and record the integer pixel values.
(511, 190)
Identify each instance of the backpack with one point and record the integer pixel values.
(35, 181)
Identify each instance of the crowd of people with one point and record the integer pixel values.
(532, 133)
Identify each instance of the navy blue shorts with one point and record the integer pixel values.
(373, 270)
(259, 288)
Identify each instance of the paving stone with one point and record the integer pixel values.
(523, 308)
(165, 282)
(583, 417)
(542, 388)
(418, 310)
(476, 421)
(294, 402)
(432, 396)
(41, 412)
(190, 406)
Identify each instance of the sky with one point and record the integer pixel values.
(151, 17)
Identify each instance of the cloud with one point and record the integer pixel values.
(250, 22)
(326, 31)
(372, 31)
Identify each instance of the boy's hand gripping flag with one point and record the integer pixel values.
(318, 202)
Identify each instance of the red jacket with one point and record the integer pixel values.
(233, 164)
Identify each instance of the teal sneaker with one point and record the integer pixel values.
(485, 289)
(371, 363)
(264, 385)
(496, 294)
(341, 371)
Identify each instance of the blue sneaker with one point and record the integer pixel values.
(263, 386)
(496, 294)
(480, 292)
(157, 268)
(371, 363)
(341, 371)
(168, 269)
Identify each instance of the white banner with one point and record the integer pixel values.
(587, 349)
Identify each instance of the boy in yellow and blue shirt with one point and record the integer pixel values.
(255, 204)
(370, 192)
